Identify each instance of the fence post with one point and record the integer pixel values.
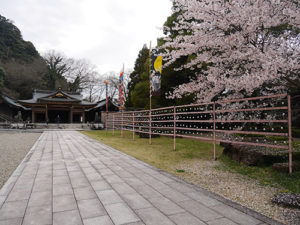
(290, 135)
(174, 127)
(113, 123)
(150, 124)
(214, 119)
(133, 123)
(122, 124)
(106, 122)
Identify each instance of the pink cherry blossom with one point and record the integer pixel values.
(235, 37)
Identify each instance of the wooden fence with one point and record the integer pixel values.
(260, 121)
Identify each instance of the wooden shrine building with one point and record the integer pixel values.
(51, 105)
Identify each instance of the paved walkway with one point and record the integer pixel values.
(68, 178)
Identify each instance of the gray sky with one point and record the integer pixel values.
(106, 32)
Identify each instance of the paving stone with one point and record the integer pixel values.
(58, 165)
(44, 172)
(115, 168)
(147, 191)
(90, 208)
(11, 210)
(24, 183)
(100, 185)
(19, 194)
(166, 206)
(84, 164)
(2, 200)
(186, 219)
(76, 174)
(136, 201)
(174, 195)
(67, 218)
(106, 171)
(94, 177)
(124, 174)
(151, 216)
(15, 221)
(99, 166)
(42, 185)
(62, 189)
(113, 179)
(61, 180)
(121, 213)
(88, 170)
(38, 215)
(42, 177)
(235, 215)
(40, 198)
(163, 178)
(108, 197)
(134, 182)
(62, 172)
(84, 193)
(221, 221)
(203, 199)
(63, 203)
(184, 188)
(159, 186)
(101, 220)
(200, 211)
(73, 168)
(147, 179)
(123, 188)
(135, 223)
(79, 182)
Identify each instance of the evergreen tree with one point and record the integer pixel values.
(2, 75)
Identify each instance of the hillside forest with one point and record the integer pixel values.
(23, 69)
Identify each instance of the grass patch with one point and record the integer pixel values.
(265, 175)
(160, 154)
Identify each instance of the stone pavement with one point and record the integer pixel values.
(68, 178)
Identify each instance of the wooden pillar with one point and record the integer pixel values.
(46, 114)
(71, 115)
(33, 116)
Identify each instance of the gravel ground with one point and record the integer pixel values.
(238, 188)
(13, 148)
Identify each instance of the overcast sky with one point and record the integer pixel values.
(106, 32)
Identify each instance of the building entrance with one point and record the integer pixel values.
(64, 116)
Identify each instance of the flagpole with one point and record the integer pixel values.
(106, 90)
(150, 97)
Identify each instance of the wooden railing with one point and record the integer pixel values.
(260, 121)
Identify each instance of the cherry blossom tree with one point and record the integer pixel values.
(246, 44)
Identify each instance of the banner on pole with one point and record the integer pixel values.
(156, 71)
(106, 89)
(121, 92)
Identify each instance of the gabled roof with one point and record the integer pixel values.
(102, 103)
(40, 96)
(12, 102)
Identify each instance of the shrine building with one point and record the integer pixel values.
(49, 105)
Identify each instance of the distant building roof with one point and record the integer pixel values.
(102, 103)
(12, 102)
(42, 96)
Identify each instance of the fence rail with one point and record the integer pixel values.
(260, 121)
